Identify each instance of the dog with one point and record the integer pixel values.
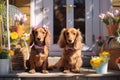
(71, 41)
(40, 41)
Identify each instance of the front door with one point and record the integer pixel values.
(59, 14)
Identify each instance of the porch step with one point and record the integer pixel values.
(85, 74)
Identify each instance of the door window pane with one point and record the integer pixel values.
(79, 16)
(59, 18)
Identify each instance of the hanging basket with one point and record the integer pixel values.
(112, 29)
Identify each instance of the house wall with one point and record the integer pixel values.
(116, 4)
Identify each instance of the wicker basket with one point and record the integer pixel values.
(20, 57)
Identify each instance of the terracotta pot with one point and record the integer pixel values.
(112, 29)
(19, 30)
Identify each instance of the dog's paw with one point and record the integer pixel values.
(32, 71)
(44, 71)
(66, 71)
(76, 70)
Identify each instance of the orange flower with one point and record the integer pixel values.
(117, 60)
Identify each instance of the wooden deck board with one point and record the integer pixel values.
(85, 72)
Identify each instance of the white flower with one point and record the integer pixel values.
(118, 39)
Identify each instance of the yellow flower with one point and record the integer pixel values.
(27, 38)
(0, 6)
(13, 35)
(11, 52)
(97, 61)
(105, 54)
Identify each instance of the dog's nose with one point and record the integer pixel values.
(69, 41)
(38, 39)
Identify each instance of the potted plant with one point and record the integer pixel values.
(111, 19)
(19, 21)
(5, 56)
(100, 63)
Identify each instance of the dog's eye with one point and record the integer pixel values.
(67, 33)
(43, 32)
(36, 32)
(73, 33)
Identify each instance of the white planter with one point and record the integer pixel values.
(4, 66)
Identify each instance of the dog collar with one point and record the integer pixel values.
(38, 47)
(69, 48)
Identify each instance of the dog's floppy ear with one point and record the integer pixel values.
(31, 38)
(61, 41)
(48, 38)
(78, 40)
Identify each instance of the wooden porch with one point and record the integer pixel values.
(87, 73)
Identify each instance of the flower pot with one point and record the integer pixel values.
(4, 66)
(20, 30)
(112, 29)
(103, 69)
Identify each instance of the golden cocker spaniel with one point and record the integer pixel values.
(71, 41)
(40, 39)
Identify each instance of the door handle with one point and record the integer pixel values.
(43, 9)
(69, 5)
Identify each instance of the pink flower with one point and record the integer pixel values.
(20, 18)
(110, 14)
(33, 27)
(16, 17)
(23, 18)
(116, 12)
(45, 27)
(102, 16)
